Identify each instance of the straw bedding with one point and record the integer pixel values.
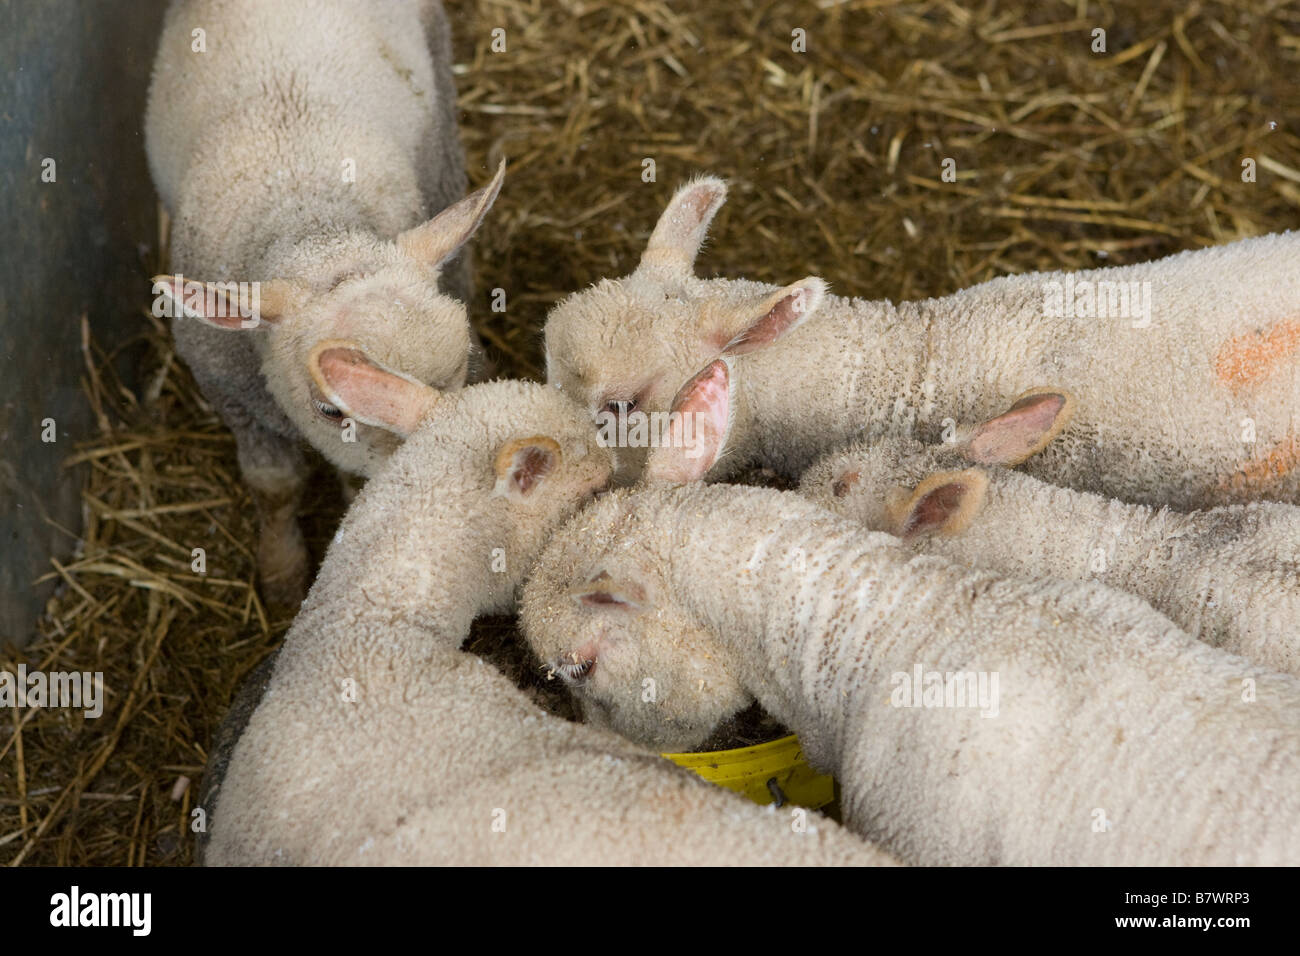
(1064, 158)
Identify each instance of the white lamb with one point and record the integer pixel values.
(300, 146)
(1186, 369)
(1228, 576)
(379, 742)
(970, 718)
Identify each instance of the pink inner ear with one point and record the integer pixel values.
(779, 320)
(531, 465)
(367, 391)
(224, 312)
(706, 393)
(698, 201)
(935, 508)
(1017, 433)
(700, 410)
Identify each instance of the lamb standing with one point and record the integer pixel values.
(379, 742)
(1188, 396)
(1080, 726)
(1228, 576)
(299, 146)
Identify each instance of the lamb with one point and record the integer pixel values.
(379, 742)
(1185, 368)
(299, 147)
(1081, 726)
(1227, 576)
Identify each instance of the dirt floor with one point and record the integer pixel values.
(1063, 157)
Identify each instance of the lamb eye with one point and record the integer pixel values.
(621, 407)
(575, 668)
(327, 411)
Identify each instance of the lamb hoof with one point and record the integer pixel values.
(284, 578)
(282, 596)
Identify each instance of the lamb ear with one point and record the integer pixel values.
(845, 482)
(752, 326)
(367, 391)
(697, 428)
(1023, 430)
(605, 591)
(437, 240)
(681, 229)
(229, 305)
(945, 502)
(522, 464)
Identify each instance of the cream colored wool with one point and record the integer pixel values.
(1193, 410)
(1228, 576)
(437, 758)
(301, 145)
(1117, 740)
(670, 608)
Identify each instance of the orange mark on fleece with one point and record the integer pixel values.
(1262, 473)
(1246, 360)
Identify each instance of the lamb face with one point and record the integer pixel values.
(636, 661)
(866, 480)
(388, 303)
(517, 446)
(907, 489)
(544, 464)
(380, 296)
(627, 345)
(642, 320)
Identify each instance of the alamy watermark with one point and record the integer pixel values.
(637, 429)
(951, 690)
(1103, 299)
(75, 908)
(78, 690)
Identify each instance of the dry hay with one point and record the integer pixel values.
(1064, 159)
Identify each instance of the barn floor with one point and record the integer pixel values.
(1064, 158)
